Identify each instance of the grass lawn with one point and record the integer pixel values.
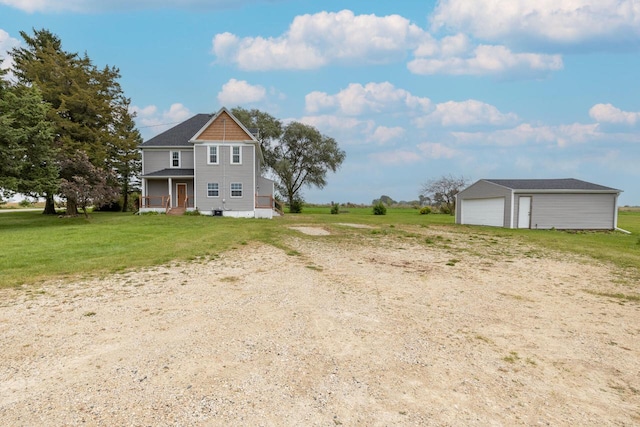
(36, 247)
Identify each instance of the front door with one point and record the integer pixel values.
(524, 212)
(182, 195)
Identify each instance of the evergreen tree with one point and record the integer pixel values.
(87, 107)
(27, 156)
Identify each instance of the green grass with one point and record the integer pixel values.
(36, 247)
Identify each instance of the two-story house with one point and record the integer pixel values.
(209, 162)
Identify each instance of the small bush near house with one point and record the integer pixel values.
(379, 209)
(425, 210)
(195, 212)
(296, 206)
(335, 208)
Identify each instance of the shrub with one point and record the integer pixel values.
(296, 205)
(25, 203)
(425, 210)
(195, 212)
(335, 208)
(379, 209)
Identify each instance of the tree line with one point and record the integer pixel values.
(65, 128)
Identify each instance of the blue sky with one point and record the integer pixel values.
(411, 90)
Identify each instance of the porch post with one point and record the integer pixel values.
(170, 194)
(144, 192)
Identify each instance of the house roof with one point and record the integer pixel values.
(182, 135)
(165, 173)
(562, 184)
(179, 135)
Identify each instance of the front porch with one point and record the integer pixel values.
(162, 194)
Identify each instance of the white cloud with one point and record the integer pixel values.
(346, 130)
(561, 136)
(6, 44)
(151, 122)
(466, 113)
(486, 59)
(357, 99)
(398, 157)
(316, 40)
(531, 22)
(436, 150)
(237, 92)
(607, 113)
(382, 135)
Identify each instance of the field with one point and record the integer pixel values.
(316, 319)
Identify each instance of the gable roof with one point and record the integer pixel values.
(562, 184)
(224, 113)
(179, 135)
(185, 133)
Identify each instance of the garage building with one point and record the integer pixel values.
(539, 204)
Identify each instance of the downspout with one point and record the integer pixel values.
(512, 209)
(224, 169)
(615, 216)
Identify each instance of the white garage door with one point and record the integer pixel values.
(483, 211)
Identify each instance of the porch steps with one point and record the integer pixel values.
(176, 211)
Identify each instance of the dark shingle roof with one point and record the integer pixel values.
(179, 135)
(170, 172)
(550, 184)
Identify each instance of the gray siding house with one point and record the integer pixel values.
(539, 204)
(211, 163)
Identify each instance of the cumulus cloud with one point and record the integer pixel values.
(6, 44)
(436, 150)
(466, 113)
(316, 40)
(550, 22)
(236, 92)
(152, 122)
(357, 99)
(607, 113)
(383, 135)
(346, 130)
(485, 60)
(561, 136)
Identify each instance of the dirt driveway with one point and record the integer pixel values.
(349, 327)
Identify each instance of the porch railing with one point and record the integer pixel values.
(163, 202)
(268, 202)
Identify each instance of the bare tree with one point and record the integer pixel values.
(442, 191)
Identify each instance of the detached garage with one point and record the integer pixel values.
(538, 203)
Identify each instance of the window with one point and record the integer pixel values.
(175, 159)
(213, 155)
(236, 157)
(213, 189)
(236, 189)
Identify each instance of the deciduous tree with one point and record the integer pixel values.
(269, 130)
(442, 191)
(85, 183)
(303, 157)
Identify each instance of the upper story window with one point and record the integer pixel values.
(236, 155)
(213, 155)
(175, 159)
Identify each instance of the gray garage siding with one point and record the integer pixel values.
(484, 190)
(573, 211)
